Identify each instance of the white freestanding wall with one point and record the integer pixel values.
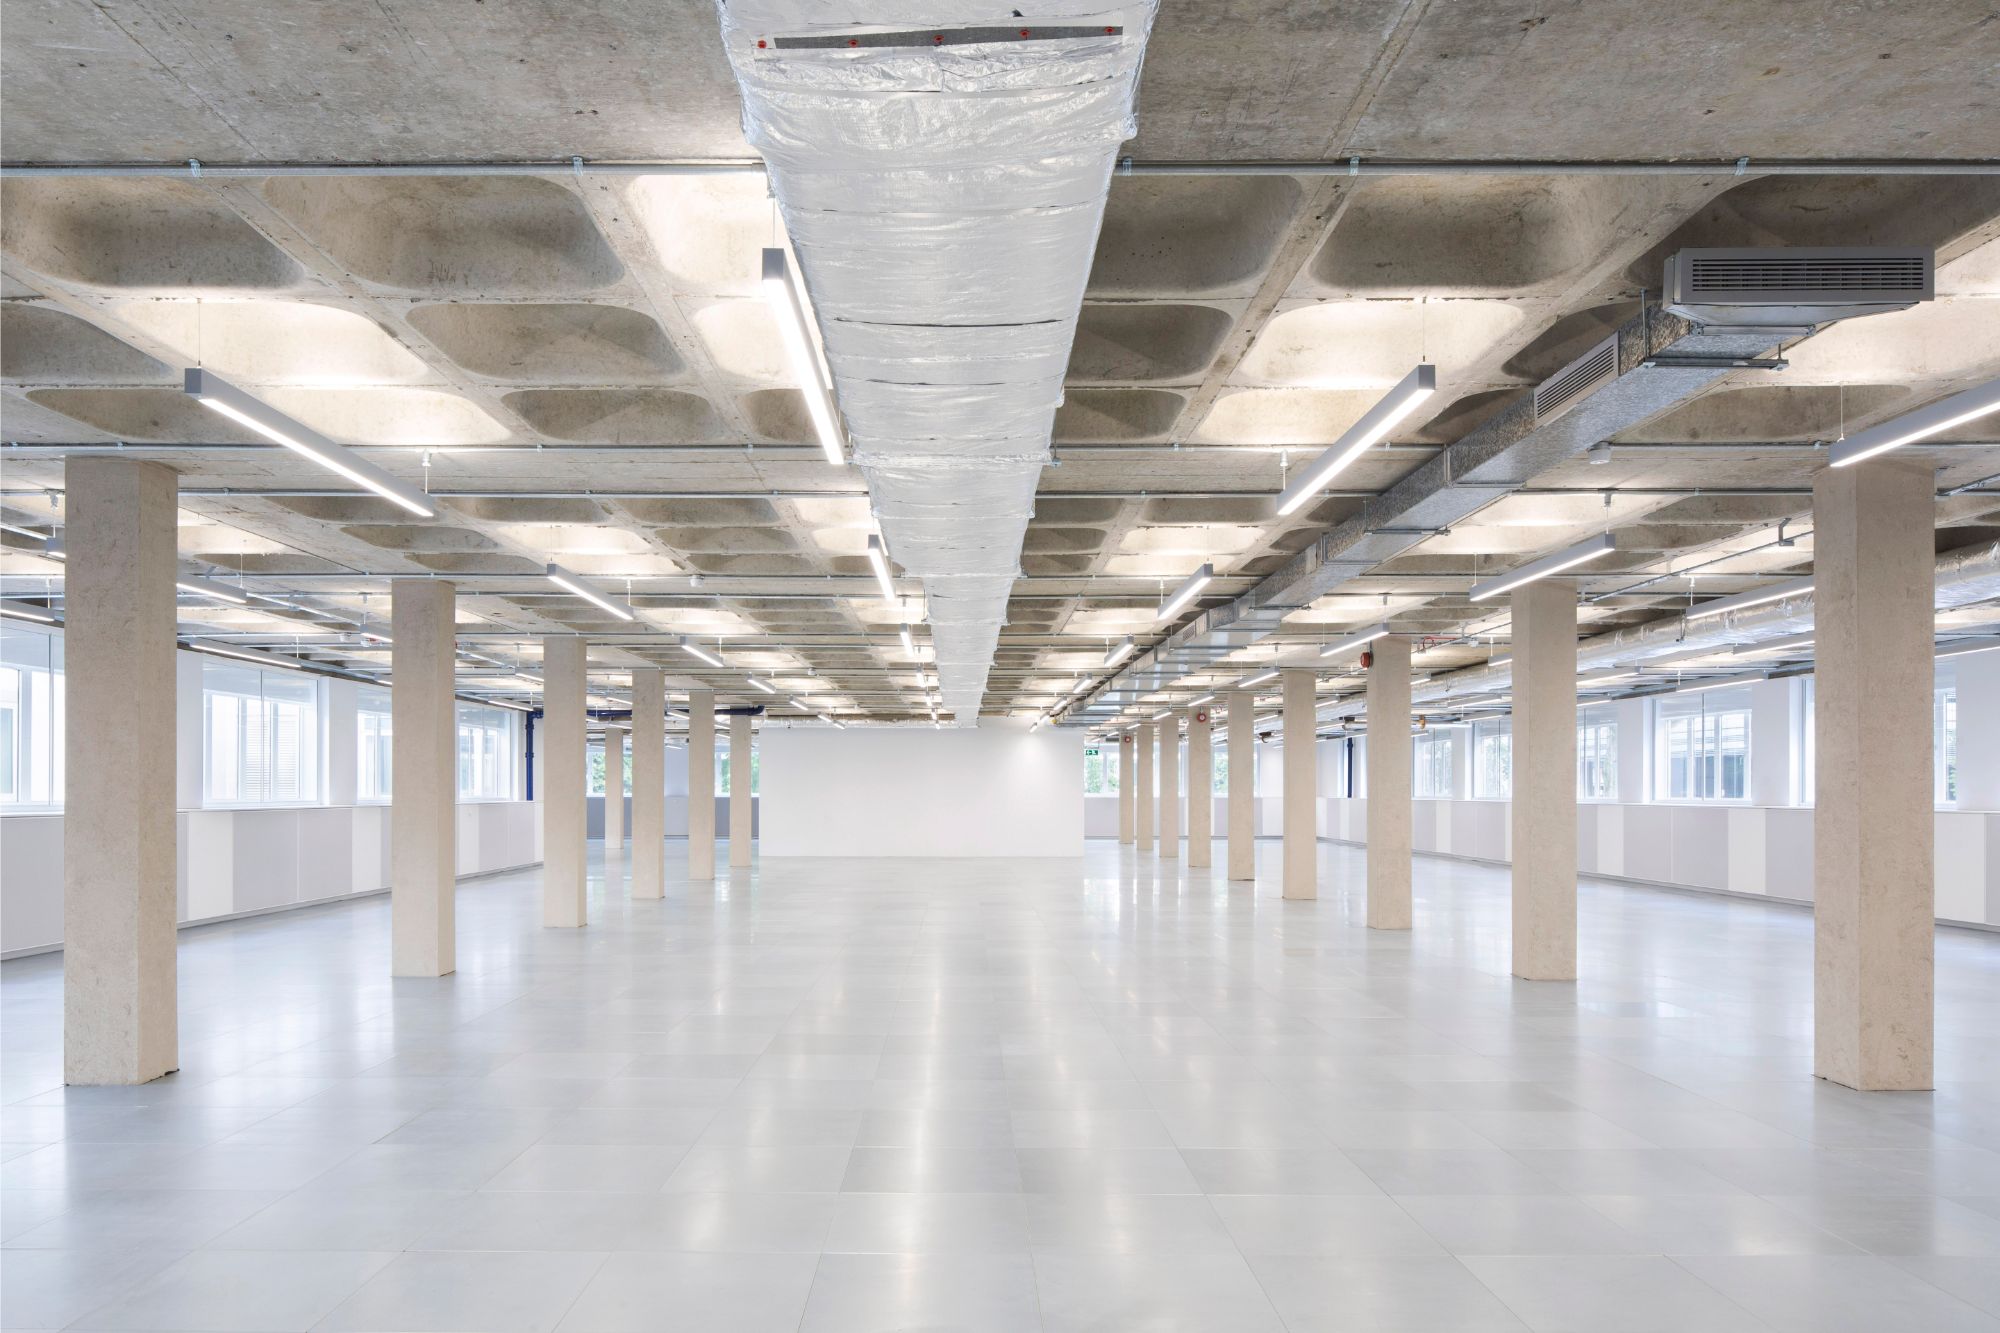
(995, 790)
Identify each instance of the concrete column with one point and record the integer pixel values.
(1128, 783)
(1389, 785)
(614, 790)
(701, 784)
(1242, 742)
(649, 783)
(1301, 787)
(1170, 788)
(565, 885)
(741, 807)
(1201, 791)
(120, 1022)
(1873, 891)
(1544, 793)
(1978, 730)
(1142, 794)
(423, 802)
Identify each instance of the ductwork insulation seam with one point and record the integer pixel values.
(943, 203)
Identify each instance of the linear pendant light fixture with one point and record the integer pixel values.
(1358, 639)
(219, 395)
(782, 296)
(1408, 395)
(201, 587)
(878, 561)
(1536, 570)
(1186, 593)
(1776, 592)
(261, 658)
(1261, 678)
(695, 650)
(570, 583)
(40, 615)
(1938, 417)
(1120, 651)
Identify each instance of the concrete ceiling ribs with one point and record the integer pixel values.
(483, 285)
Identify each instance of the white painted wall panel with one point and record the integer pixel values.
(956, 792)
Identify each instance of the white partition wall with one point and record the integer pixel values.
(997, 790)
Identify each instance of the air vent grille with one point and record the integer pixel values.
(1562, 389)
(1890, 273)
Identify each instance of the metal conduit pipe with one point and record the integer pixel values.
(195, 169)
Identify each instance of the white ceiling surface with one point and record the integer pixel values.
(583, 364)
(943, 203)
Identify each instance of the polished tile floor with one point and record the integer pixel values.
(1114, 1095)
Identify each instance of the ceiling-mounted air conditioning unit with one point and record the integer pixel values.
(1763, 287)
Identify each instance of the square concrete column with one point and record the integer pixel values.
(423, 801)
(1874, 918)
(1301, 784)
(1200, 790)
(649, 783)
(565, 885)
(1170, 788)
(701, 784)
(1142, 795)
(1389, 785)
(1242, 742)
(120, 1021)
(742, 810)
(1128, 783)
(1544, 791)
(614, 790)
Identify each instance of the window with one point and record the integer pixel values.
(373, 730)
(1701, 746)
(1430, 765)
(485, 753)
(1944, 740)
(722, 772)
(260, 735)
(1219, 779)
(593, 774)
(1597, 756)
(31, 718)
(1493, 759)
(1100, 770)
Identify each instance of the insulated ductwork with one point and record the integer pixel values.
(942, 169)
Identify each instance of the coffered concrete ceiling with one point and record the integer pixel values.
(580, 364)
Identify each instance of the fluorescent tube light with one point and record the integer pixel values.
(1258, 679)
(1776, 592)
(1359, 639)
(216, 649)
(201, 587)
(1186, 593)
(1379, 420)
(41, 615)
(878, 560)
(1775, 645)
(1934, 419)
(1536, 570)
(1163, 714)
(694, 649)
(768, 689)
(1120, 651)
(782, 295)
(909, 644)
(1205, 699)
(569, 582)
(219, 395)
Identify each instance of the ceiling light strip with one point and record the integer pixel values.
(1536, 570)
(219, 395)
(782, 294)
(1358, 639)
(1932, 419)
(1776, 592)
(1408, 395)
(572, 583)
(1185, 594)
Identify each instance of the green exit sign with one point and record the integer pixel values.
(1090, 753)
